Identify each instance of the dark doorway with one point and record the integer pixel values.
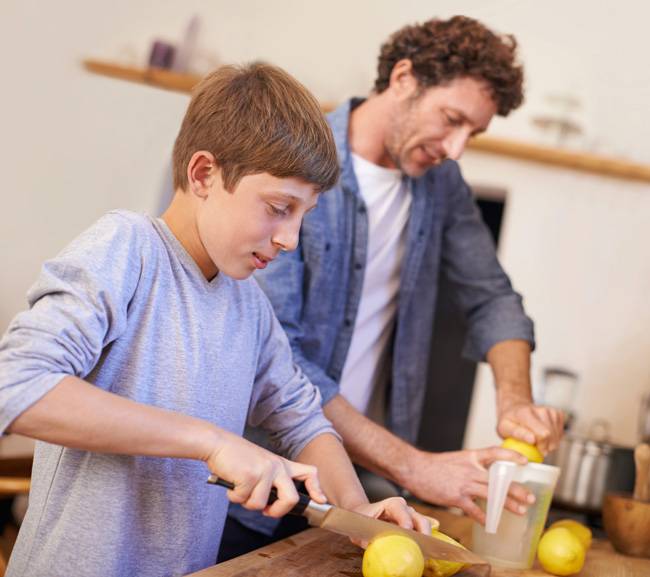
(451, 377)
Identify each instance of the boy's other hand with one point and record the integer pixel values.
(254, 471)
(395, 510)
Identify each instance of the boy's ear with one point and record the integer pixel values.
(402, 82)
(202, 169)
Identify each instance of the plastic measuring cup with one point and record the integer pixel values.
(510, 540)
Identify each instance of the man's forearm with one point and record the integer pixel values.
(370, 445)
(510, 363)
(80, 415)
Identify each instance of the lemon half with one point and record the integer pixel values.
(531, 452)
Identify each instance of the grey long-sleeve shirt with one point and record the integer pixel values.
(126, 308)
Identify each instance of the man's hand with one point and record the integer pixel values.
(537, 425)
(455, 479)
(254, 471)
(394, 510)
(517, 415)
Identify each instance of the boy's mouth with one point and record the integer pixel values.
(260, 261)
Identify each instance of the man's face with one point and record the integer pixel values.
(245, 229)
(436, 123)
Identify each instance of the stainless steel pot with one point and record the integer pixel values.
(590, 467)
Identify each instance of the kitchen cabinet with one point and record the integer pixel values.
(319, 553)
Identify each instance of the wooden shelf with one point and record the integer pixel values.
(582, 161)
(158, 77)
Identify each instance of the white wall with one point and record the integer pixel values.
(576, 246)
(74, 145)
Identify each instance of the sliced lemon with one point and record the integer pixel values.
(438, 567)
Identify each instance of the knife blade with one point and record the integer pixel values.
(363, 528)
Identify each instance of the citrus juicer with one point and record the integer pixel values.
(508, 539)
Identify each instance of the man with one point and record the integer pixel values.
(357, 299)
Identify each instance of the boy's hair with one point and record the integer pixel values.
(443, 50)
(256, 118)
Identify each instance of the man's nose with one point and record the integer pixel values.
(454, 144)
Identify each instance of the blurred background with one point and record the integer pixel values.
(75, 145)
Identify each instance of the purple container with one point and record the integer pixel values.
(161, 55)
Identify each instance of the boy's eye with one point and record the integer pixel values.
(276, 210)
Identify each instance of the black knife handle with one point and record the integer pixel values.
(298, 508)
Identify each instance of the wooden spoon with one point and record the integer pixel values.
(642, 462)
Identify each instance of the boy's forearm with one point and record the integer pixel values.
(79, 415)
(337, 476)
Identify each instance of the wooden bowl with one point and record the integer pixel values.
(627, 523)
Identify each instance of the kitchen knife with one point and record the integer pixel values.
(365, 528)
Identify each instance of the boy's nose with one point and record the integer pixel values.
(286, 237)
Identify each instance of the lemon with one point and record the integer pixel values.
(531, 452)
(392, 556)
(439, 568)
(578, 529)
(560, 552)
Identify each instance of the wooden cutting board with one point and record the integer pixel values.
(312, 553)
(319, 553)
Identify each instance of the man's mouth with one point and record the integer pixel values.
(431, 158)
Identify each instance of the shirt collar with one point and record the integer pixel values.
(339, 120)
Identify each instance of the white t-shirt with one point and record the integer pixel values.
(387, 197)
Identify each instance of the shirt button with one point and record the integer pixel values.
(347, 322)
(358, 266)
(362, 209)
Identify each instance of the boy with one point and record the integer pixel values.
(146, 349)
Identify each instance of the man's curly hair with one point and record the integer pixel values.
(443, 50)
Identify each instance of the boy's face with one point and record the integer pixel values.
(245, 229)
(432, 125)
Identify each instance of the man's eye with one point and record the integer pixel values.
(453, 120)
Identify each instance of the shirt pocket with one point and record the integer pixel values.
(320, 268)
(312, 241)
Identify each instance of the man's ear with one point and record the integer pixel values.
(202, 169)
(402, 82)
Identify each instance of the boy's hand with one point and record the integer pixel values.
(394, 510)
(254, 471)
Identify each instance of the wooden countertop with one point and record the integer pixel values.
(319, 553)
